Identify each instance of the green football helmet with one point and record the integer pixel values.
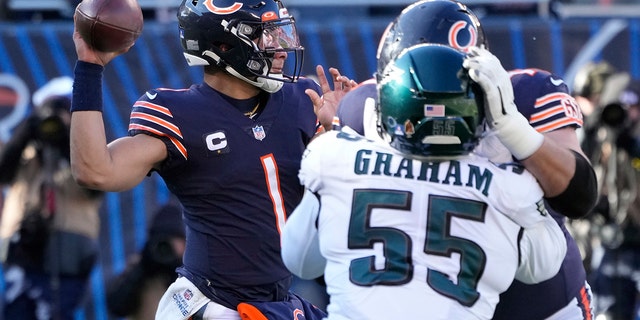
(428, 106)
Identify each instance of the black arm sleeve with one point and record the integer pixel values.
(12, 151)
(581, 195)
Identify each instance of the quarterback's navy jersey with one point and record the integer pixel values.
(544, 100)
(235, 176)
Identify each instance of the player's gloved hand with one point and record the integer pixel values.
(511, 127)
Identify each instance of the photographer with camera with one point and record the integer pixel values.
(616, 281)
(135, 293)
(611, 235)
(50, 225)
(595, 86)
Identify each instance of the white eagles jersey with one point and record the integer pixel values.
(405, 238)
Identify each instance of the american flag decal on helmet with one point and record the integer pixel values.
(434, 110)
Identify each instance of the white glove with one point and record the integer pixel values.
(512, 128)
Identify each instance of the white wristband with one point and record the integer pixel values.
(518, 136)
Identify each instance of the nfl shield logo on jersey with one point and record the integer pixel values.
(187, 294)
(258, 132)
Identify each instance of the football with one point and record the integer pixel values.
(109, 25)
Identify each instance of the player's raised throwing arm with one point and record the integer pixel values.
(123, 163)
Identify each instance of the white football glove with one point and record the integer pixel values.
(511, 127)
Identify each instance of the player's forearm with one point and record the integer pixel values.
(89, 154)
(553, 166)
(567, 178)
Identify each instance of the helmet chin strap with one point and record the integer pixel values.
(268, 85)
(271, 85)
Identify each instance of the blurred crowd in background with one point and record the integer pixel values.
(609, 237)
(163, 10)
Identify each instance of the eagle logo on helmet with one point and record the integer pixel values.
(225, 10)
(455, 30)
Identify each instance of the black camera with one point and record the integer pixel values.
(614, 115)
(52, 130)
(49, 126)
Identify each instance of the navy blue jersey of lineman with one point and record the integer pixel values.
(236, 177)
(544, 100)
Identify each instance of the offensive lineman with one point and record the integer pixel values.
(419, 227)
(544, 100)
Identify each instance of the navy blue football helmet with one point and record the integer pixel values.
(428, 106)
(443, 22)
(241, 37)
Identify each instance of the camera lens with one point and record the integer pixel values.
(52, 130)
(613, 114)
